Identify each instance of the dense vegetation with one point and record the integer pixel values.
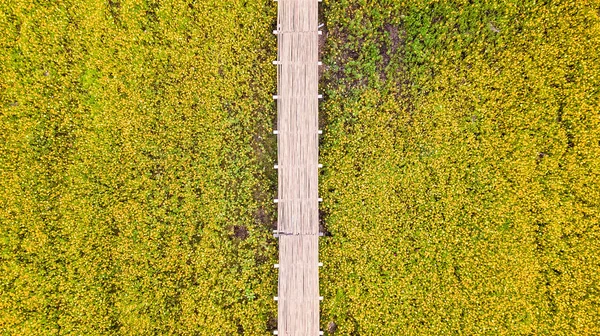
(462, 155)
(461, 152)
(134, 145)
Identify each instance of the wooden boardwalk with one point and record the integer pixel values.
(298, 152)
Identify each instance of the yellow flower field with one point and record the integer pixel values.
(461, 154)
(462, 146)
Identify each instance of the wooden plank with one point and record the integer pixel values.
(297, 167)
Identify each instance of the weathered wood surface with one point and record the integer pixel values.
(298, 151)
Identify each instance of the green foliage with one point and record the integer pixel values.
(460, 185)
(133, 141)
(461, 147)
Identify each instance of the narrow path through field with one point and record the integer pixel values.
(298, 151)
